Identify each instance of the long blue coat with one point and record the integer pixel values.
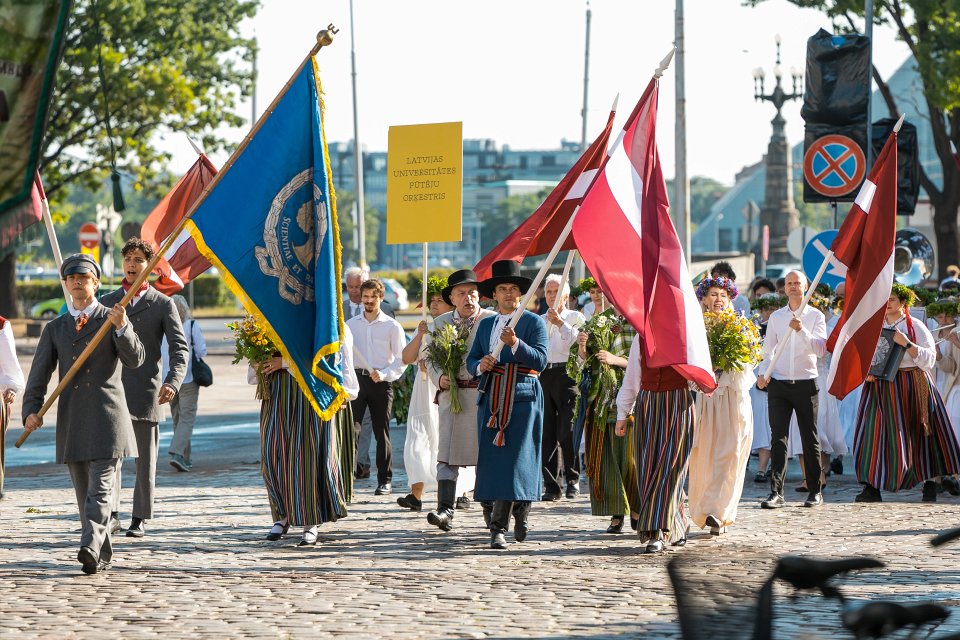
(513, 471)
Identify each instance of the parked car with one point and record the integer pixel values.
(395, 294)
(48, 309)
(775, 271)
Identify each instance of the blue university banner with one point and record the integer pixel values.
(270, 226)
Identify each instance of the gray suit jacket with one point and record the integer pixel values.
(153, 317)
(93, 422)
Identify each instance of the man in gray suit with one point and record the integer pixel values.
(458, 444)
(353, 277)
(94, 432)
(153, 316)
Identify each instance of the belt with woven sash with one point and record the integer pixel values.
(461, 384)
(502, 386)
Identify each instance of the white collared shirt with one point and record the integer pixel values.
(562, 338)
(11, 375)
(799, 359)
(350, 382)
(500, 322)
(378, 345)
(89, 311)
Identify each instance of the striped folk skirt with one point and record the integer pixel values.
(903, 435)
(307, 463)
(4, 421)
(663, 437)
(611, 469)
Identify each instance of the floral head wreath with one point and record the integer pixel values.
(586, 284)
(721, 282)
(904, 293)
(435, 286)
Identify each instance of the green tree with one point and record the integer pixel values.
(507, 215)
(931, 29)
(704, 192)
(171, 66)
(346, 202)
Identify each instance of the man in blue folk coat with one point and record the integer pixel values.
(510, 407)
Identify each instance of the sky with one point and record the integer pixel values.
(513, 70)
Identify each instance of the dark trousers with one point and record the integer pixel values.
(558, 448)
(783, 398)
(93, 483)
(378, 398)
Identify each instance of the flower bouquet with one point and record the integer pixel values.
(601, 330)
(254, 345)
(446, 350)
(734, 340)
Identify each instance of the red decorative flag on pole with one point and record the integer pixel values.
(864, 245)
(23, 215)
(538, 234)
(183, 261)
(624, 233)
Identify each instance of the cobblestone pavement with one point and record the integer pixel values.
(204, 568)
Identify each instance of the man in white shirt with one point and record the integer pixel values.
(11, 384)
(353, 277)
(559, 395)
(378, 343)
(792, 387)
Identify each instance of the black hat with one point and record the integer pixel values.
(504, 272)
(79, 263)
(464, 276)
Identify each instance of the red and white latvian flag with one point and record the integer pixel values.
(624, 233)
(538, 233)
(182, 262)
(865, 245)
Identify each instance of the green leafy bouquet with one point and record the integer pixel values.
(601, 330)
(734, 340)
(446, 350)
(254, 345)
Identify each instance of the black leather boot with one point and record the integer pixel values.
(499, 521)
(446, 501)
(521, 511)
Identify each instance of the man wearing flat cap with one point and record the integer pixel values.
(94, 431)
(154, 316)
(510, 411)
(457, 433)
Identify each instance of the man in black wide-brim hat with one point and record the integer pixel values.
(510, 411)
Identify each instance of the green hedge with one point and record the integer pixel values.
(410, 280)
(208, 291)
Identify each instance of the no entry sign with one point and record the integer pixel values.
(834, 165)
(89, 235)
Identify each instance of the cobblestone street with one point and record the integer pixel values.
(204, 567)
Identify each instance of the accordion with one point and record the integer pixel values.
(887, 357)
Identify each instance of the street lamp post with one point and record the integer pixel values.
(778, 209)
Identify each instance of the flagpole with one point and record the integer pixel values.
(563, 283)
(54, 245)
(324, 38)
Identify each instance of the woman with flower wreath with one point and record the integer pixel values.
(724, 432)
(903, 436)
(597, 363)
(944, 313)
(307, 462)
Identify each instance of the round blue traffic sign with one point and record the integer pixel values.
(814, 254)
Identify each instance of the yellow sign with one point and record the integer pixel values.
(424, 183)
(93, 252)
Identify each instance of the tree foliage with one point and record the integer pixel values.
(507, 215)
(346, 202)
(171, 66)
(931, 30)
